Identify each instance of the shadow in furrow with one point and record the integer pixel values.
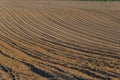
(8, 70)
(3, 68)
(38, 71)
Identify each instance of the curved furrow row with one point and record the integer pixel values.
(59, 44)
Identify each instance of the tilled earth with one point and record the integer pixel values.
(59, 40)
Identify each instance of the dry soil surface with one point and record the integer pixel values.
(59, 40)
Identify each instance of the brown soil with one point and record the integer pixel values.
(59, 40)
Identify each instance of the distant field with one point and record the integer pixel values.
(59, 40)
